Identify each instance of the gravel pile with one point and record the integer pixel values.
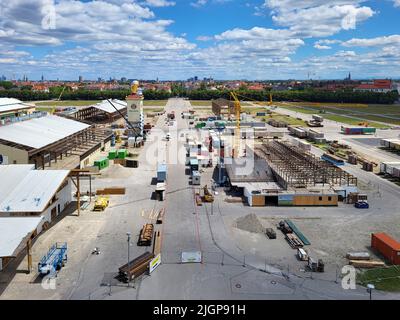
(250, 223)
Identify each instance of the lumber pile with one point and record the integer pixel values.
(294, 242)
(358, 256)
(157, 243)
(366, 264)
(136, 267)
(111, 191)
(160, 216)
(146, 235)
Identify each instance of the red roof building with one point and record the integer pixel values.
(384, 86)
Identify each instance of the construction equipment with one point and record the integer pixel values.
(316, 266)
(271, 234)
(136, 267)
(208, 197)
(198, 200)
(101, 204)
(283, 226)
(293, 241)
(54, 260)
(302, 254)
(146, 235)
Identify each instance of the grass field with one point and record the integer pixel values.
(66, 103)
(149, 110)
(207, 103)
(154, 103)
(385, 279)
(372, 112)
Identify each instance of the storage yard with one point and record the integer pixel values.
(176, 214)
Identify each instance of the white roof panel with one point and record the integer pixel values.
(13, 231)
(34, 191)
(40, 132)
(11, 104)
(11, 176)
(107, 107)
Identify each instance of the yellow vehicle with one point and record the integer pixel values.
(208, 197)
(101, 204)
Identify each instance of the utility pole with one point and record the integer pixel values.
(129, 262)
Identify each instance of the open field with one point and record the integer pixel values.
(207, 103)
(386, 279)
(66, 103)
(382, 113)
(352, 121)
(154, 103)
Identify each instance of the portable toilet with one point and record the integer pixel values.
(196, 178)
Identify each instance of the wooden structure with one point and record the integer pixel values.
(296, 168)
(223, 106)
(136, 267)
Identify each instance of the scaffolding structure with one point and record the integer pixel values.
(296, 168)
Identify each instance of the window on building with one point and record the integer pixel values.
(329, 198)
(320, 198)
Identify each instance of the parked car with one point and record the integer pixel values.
(361, 205)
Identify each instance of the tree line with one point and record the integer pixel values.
(307, 95)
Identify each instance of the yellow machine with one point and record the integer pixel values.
(101, 204)
(208, 197)
(118, 137)
(270, 100)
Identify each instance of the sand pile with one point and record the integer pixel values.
(250, 223)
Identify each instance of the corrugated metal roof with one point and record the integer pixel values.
(11, 176)
(33, 192)
(11, 104)
(107, 107)
(13, 231)
(40, 132)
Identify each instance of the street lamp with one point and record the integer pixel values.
(370, 287)
(129, 262)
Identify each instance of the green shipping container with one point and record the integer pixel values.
(112, 154)
(122, 153)
(369, 130)
(102, 163)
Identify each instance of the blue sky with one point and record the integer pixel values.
(225, 39)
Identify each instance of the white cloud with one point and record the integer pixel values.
(393, 40)
(396, 3)
(159, 3)
(321, 47)
(318, 18)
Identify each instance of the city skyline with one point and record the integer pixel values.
(176, 40)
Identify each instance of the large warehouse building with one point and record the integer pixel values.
(10, 109)
(48, 139)
(25, 191)
(103, 112)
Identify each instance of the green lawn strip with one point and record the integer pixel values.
(154, 103)
(353, 121)
(386, 279)
(66, 103)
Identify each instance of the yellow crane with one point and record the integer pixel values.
(238, 110)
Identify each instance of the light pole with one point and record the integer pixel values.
(370, 287)
(129, 262)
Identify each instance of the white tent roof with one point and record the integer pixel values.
(40, 132)
(11, 176)
(107, 107)
(13, 231)
(33, 192)
(11, 104)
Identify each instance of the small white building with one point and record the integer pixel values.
(26, 192)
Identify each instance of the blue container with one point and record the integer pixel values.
(162, 173)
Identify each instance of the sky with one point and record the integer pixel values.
(179, 39)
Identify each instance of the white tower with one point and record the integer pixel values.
(135, 108)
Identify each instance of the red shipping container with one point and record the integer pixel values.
(387, 246)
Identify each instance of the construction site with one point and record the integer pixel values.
(192, 202)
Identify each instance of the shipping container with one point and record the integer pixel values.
(386, 246)
(162, 172)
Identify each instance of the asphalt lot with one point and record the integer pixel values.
(236, 264)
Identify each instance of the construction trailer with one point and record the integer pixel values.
(390, 168)
(162, 173)
(357, 130)
(393, 144)
(24, 142)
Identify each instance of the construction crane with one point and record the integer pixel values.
(62, 92)
(238, 110)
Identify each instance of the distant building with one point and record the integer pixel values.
(380, 86)
(80, 79)
(3, 78)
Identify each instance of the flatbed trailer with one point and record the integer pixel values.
(135, 267)
(54, 260)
